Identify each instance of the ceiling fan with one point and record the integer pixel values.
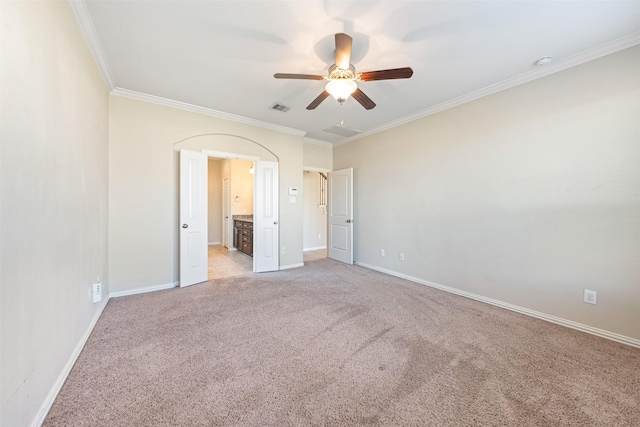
(342, 77)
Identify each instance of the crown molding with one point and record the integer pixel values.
(203, 110)
(86, 26)
(85, 23)
(581, 58)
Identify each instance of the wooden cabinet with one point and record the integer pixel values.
(237, 233)
(243, 236)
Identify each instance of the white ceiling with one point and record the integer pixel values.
(221, 55)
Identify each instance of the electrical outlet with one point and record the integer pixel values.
(590, 297)
(381, 252)
(283, 250)
(401, 256)
(97, 292)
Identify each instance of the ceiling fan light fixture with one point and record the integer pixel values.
(340, 89)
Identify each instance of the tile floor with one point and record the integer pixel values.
(314, 255)
(226, 263)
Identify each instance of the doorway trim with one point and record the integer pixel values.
(219, 154)
(315, 170)
(232, 136)
(311, 169)
(230, 156)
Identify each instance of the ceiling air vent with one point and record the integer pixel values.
(280, 107)
(342, 131)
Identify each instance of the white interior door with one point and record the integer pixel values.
(193, 218)
(340, 212)
(265, 220)
(225, 213)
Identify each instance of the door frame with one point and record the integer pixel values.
(254, 159)
(232, 156)
(316, 170)
(226, 206)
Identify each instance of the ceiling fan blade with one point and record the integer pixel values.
(343, 50)
(297, 76)
(318, 100)
(395, 73)
(363, 99)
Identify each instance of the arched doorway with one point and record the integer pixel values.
(192, 157)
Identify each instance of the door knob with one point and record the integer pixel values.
(185, 225)
(349, 221)
(275, 222)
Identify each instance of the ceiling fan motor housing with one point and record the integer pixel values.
(336, 73)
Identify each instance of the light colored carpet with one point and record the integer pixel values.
(335, 345)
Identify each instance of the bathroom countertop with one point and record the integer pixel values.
(246, 218)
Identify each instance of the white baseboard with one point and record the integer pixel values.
(214, 243)
(51, 397)
(549, 318)
(314, 249)
(286, 267)
(143, 290)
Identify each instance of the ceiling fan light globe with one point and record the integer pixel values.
(340, 89)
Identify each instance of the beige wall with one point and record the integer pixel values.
(318, 156)
(241, 187)
(527, 196)
(214, 195)
(315, 217)
(144, 143)
(53, 214)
